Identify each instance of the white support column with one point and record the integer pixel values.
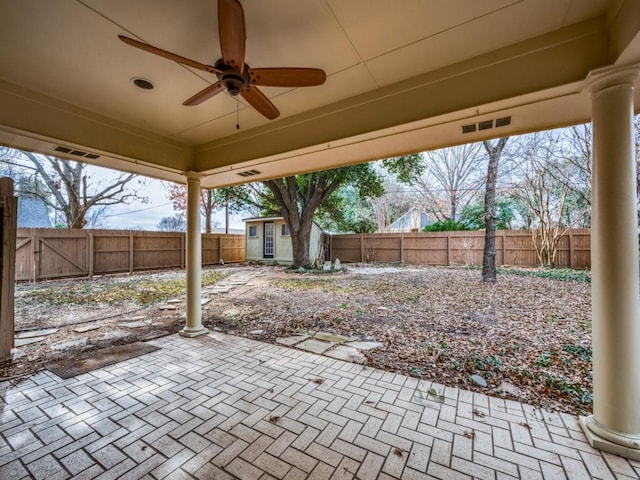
(615, 424)
(194, 327)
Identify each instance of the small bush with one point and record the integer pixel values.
(447, 225)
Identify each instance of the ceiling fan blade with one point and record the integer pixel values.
(206, 94)
(232, 33)
(260, 102)
(171, 56)
(287, 77)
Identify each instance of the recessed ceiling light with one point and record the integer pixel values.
(143, 83)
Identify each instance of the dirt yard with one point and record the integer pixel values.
(526, 337)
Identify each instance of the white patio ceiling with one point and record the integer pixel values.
(403, 76)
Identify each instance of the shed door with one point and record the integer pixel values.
(268, 245)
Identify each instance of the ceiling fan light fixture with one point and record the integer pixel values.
(233, 84)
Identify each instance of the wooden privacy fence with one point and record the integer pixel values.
(43, 253)
(513, 247)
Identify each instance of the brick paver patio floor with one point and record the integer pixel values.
(218, 407)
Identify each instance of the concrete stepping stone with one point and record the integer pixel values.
(80, 342)
(315, 346)
(87, 328)
(134, 319)
(116, 335)
(204, 301)
(174, 300)
(16, 353)
(220, 290)
(21, 342)
(37, 333)
(348, 354)
(365, 345)
(167, 307)
(292, 340)
(138, 324)
(330, 337)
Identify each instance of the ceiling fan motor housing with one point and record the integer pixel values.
(231, 78)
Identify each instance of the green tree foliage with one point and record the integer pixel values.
(347, 211)
(473, 214)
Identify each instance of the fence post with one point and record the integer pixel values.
(220, 247)
(448, 237)
(362, 248)
(90, 259)
(570, 250)
(182, 250)
(330, 248)
(402, 248)
(130, 251)
(8, 224)
(504, 250)
(35, 258)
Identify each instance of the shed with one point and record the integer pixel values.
(268, 239)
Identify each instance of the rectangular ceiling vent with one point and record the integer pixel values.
(503, 122)
(249, 173)
(486, 125)
(74, 152)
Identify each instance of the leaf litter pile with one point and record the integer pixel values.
(527, 337)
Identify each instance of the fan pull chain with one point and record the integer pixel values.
(237, 113)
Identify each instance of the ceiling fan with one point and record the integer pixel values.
(233, 74)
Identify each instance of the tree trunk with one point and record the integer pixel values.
(489, 254)
(226, 217)
(208, 211)
(300, 242)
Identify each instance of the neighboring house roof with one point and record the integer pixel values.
(32, 213)
(413, 219)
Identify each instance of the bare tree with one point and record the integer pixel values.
(391, 205)
(489, 256)
(542, 191)
(446, 180)
(176, 223)
(67, 188)
(452, 179)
